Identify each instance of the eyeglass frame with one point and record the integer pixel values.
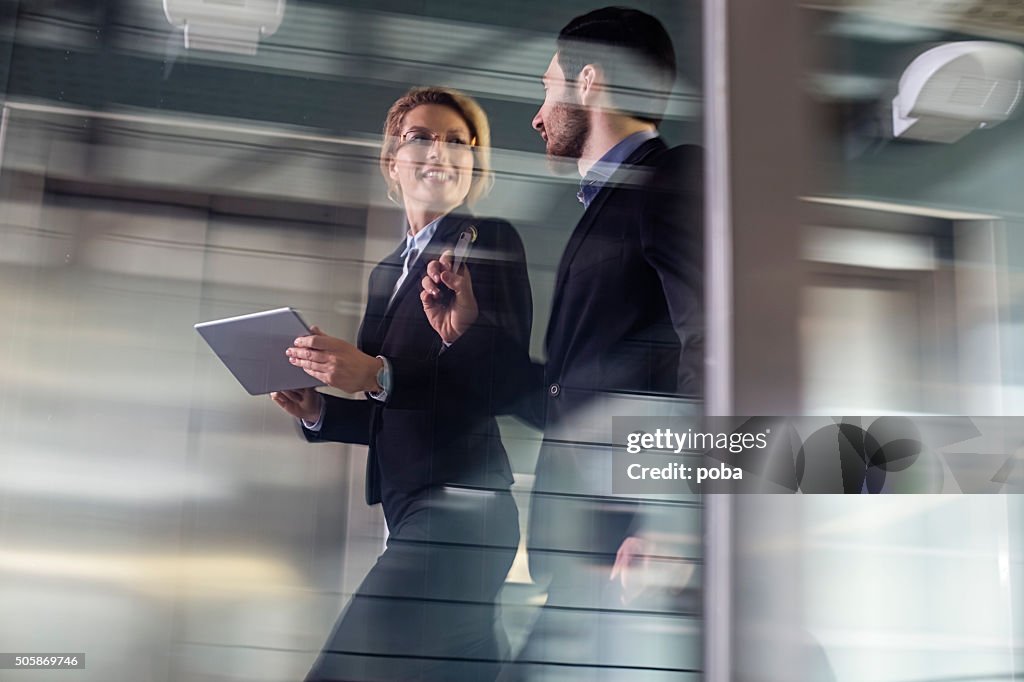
(433, 138)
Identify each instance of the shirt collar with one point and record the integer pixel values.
(606, 166)
(420, 240)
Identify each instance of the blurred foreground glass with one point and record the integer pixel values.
(909, 271)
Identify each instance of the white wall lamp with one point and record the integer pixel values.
(225, 25)
(956, 88)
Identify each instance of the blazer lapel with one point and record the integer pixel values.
(620, 177)
(450, 224)
(381, 284)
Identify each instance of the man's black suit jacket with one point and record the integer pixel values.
(437, 425)
(626, 320)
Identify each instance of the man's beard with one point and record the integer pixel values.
(567, 135)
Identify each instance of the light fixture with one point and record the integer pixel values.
(225, 25)
(955, 88)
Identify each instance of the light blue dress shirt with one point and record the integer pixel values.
(606, 166)
(416, 242)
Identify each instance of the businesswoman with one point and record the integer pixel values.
(436, 462)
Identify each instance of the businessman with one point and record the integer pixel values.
(626, 326)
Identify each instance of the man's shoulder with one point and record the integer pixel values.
(684, 156)
(677, 168)
(653, 173)
(655, 165)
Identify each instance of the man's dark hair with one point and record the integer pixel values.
(633, 50)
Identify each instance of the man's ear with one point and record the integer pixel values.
(588, 85)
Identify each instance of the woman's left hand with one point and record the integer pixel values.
(335, 362)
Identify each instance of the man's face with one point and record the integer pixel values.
(562, 121)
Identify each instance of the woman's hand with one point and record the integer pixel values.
(303, 403)
(335, 362)
(449, 319)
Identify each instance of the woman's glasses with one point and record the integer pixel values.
(421, 138)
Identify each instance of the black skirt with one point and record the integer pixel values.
(426, 610)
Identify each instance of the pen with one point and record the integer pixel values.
(466, 240)
(462, 247)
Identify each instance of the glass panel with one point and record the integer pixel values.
(152, 514)
(909, 304)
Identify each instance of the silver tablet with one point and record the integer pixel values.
(253, 346)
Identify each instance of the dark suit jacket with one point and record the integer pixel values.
(627, 318)
(432, 430)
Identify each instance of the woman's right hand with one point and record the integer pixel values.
(303, 403)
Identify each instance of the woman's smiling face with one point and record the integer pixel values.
(433, 163)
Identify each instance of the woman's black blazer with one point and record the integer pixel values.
(437, 426)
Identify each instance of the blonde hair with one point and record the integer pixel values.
(462, 104)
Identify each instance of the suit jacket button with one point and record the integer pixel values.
(554, 390)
